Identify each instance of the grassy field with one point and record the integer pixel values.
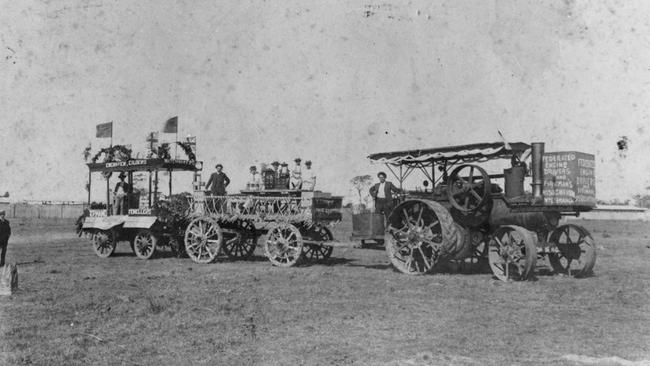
(73, 308)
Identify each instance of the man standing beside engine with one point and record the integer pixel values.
(382, 193)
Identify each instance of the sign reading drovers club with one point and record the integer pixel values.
(569, 178)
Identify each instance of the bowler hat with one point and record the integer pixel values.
(297, 160)
(275, 163)
(122, 175)
(218, 165)
(308, 162)
(381, 174)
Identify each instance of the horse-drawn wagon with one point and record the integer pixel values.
(465, 215)
(296, 224)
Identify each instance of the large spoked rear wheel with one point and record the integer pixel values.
(415, 233)
(144, 244)
(283, 245)
(576, 255)
(104, 242)
(315, 252)
(203, 238)
(243, 242)
(512, 253)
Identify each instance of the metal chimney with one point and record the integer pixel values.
(538, 171)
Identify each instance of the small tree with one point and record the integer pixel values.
(361, 184)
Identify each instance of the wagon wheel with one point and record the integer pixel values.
(144, 244)
(414, 235)
(104, 242)
(467, 191)
(576, 254)
(203, 238)
(284, 245)
(315, 252)
(243, 244)
(512, 253)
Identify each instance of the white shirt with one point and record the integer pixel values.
(308, 179)
(381, 191)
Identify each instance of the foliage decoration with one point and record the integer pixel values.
(113, 153)
(187, 148)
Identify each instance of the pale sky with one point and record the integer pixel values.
(329, 81)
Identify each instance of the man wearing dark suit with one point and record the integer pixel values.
(218, 182)
(5, 233)
(382, 193)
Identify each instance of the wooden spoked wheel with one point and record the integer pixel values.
(203, 238)
(104, 242)
(414, 235)
(144, 244)
(468, 187)
(283, 245)
(242, 244)
(314, 252)
(576, 251)
(512, 253)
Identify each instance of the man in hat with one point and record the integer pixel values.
(218, 182)
(121, 192)
(308, 177)
(382, 193)
(5, 233)
(255, 183)
(296, 180)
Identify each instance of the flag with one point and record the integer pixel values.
(104, 130)
(171, 126)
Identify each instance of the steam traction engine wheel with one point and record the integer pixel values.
(144, 244)
(104, 242)
(315, 252)
(283, 245)
(416, 234)
(466, 190)
(512, 253)
(203, 238)
(243, 244)
(576, 250)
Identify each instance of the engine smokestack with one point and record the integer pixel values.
(537, 153)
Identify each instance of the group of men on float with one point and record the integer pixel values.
(300, 179)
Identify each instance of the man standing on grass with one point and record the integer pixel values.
(5, 233)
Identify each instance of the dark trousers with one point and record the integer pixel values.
(2, 255)
(384, 206)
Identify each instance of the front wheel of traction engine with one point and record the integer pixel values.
(283, 246)
(512, 253)
(203, 239)
(576, 251)
(415, 235)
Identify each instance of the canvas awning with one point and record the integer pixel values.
(463, 153)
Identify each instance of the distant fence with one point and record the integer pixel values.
(43, 211)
